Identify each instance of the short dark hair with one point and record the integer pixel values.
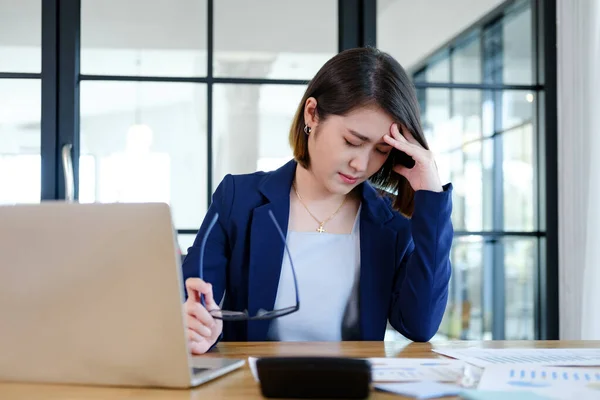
(357, 78)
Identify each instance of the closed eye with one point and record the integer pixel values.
(350, 143)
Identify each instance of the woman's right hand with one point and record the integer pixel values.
(202, 329)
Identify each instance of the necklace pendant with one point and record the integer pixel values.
(320, 229)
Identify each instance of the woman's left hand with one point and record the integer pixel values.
(424, 174)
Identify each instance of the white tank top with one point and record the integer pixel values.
(328, 269)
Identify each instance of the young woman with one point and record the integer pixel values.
(327, 224)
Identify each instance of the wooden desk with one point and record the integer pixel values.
(241, 385)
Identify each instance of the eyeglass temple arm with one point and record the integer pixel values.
(288, 254)
(202, 246)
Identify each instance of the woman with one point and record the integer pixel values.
(360, 255)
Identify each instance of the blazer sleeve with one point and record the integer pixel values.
(422, 277)
(217, 249)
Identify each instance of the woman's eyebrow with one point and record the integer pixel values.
(365, 138)
(358, 135)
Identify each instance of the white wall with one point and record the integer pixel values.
(578, 37)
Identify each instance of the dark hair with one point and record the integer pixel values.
(357, 78)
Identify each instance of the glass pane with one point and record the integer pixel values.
(466, 112)
(21, 36)
(508, 49)
(185, 241)
(20, 163)
(517, 109)
(466, 62)
(445, 131)
(462, 157)
(518, 173)
(419, 76)
(438, 70)
(473, 293)
(520, 263)
(435, 117)
(277, 39)
(87, 178)
(464, 314)
(251, 127)
(138, 37)
(143, 142)
(518, 48)
(468, 170)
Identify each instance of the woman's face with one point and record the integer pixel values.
(347, 150)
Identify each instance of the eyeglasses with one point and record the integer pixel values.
(243, 315)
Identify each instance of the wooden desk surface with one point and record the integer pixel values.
(241, 385)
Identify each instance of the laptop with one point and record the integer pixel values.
(93, 294)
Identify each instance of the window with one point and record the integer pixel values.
(141, 38)
(178, 93)
(479, 102)
(21, 36)
(20, 101)
(273, 39)
(145, 142)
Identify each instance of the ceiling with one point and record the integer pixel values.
(411, 30)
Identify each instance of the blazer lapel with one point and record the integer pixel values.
(377, 264)
(267, 247)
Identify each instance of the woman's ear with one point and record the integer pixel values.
(310, 112)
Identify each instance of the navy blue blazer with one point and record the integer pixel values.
(404, 266)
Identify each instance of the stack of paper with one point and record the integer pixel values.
(536, 371)
(556, 357)
(420, 390)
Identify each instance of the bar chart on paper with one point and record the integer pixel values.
(554, 382)
(555, 357)
(542, 375)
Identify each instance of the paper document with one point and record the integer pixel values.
(551, 357)
(420, 390)
(416, 369)
(473, 394)
(552, 382)
(252, 365)
(405, 369)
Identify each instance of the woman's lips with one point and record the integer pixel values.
(348, 179)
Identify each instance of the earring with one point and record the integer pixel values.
(307, 129)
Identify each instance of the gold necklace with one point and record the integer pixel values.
(321, 228)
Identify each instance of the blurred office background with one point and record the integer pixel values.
(158, 100)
